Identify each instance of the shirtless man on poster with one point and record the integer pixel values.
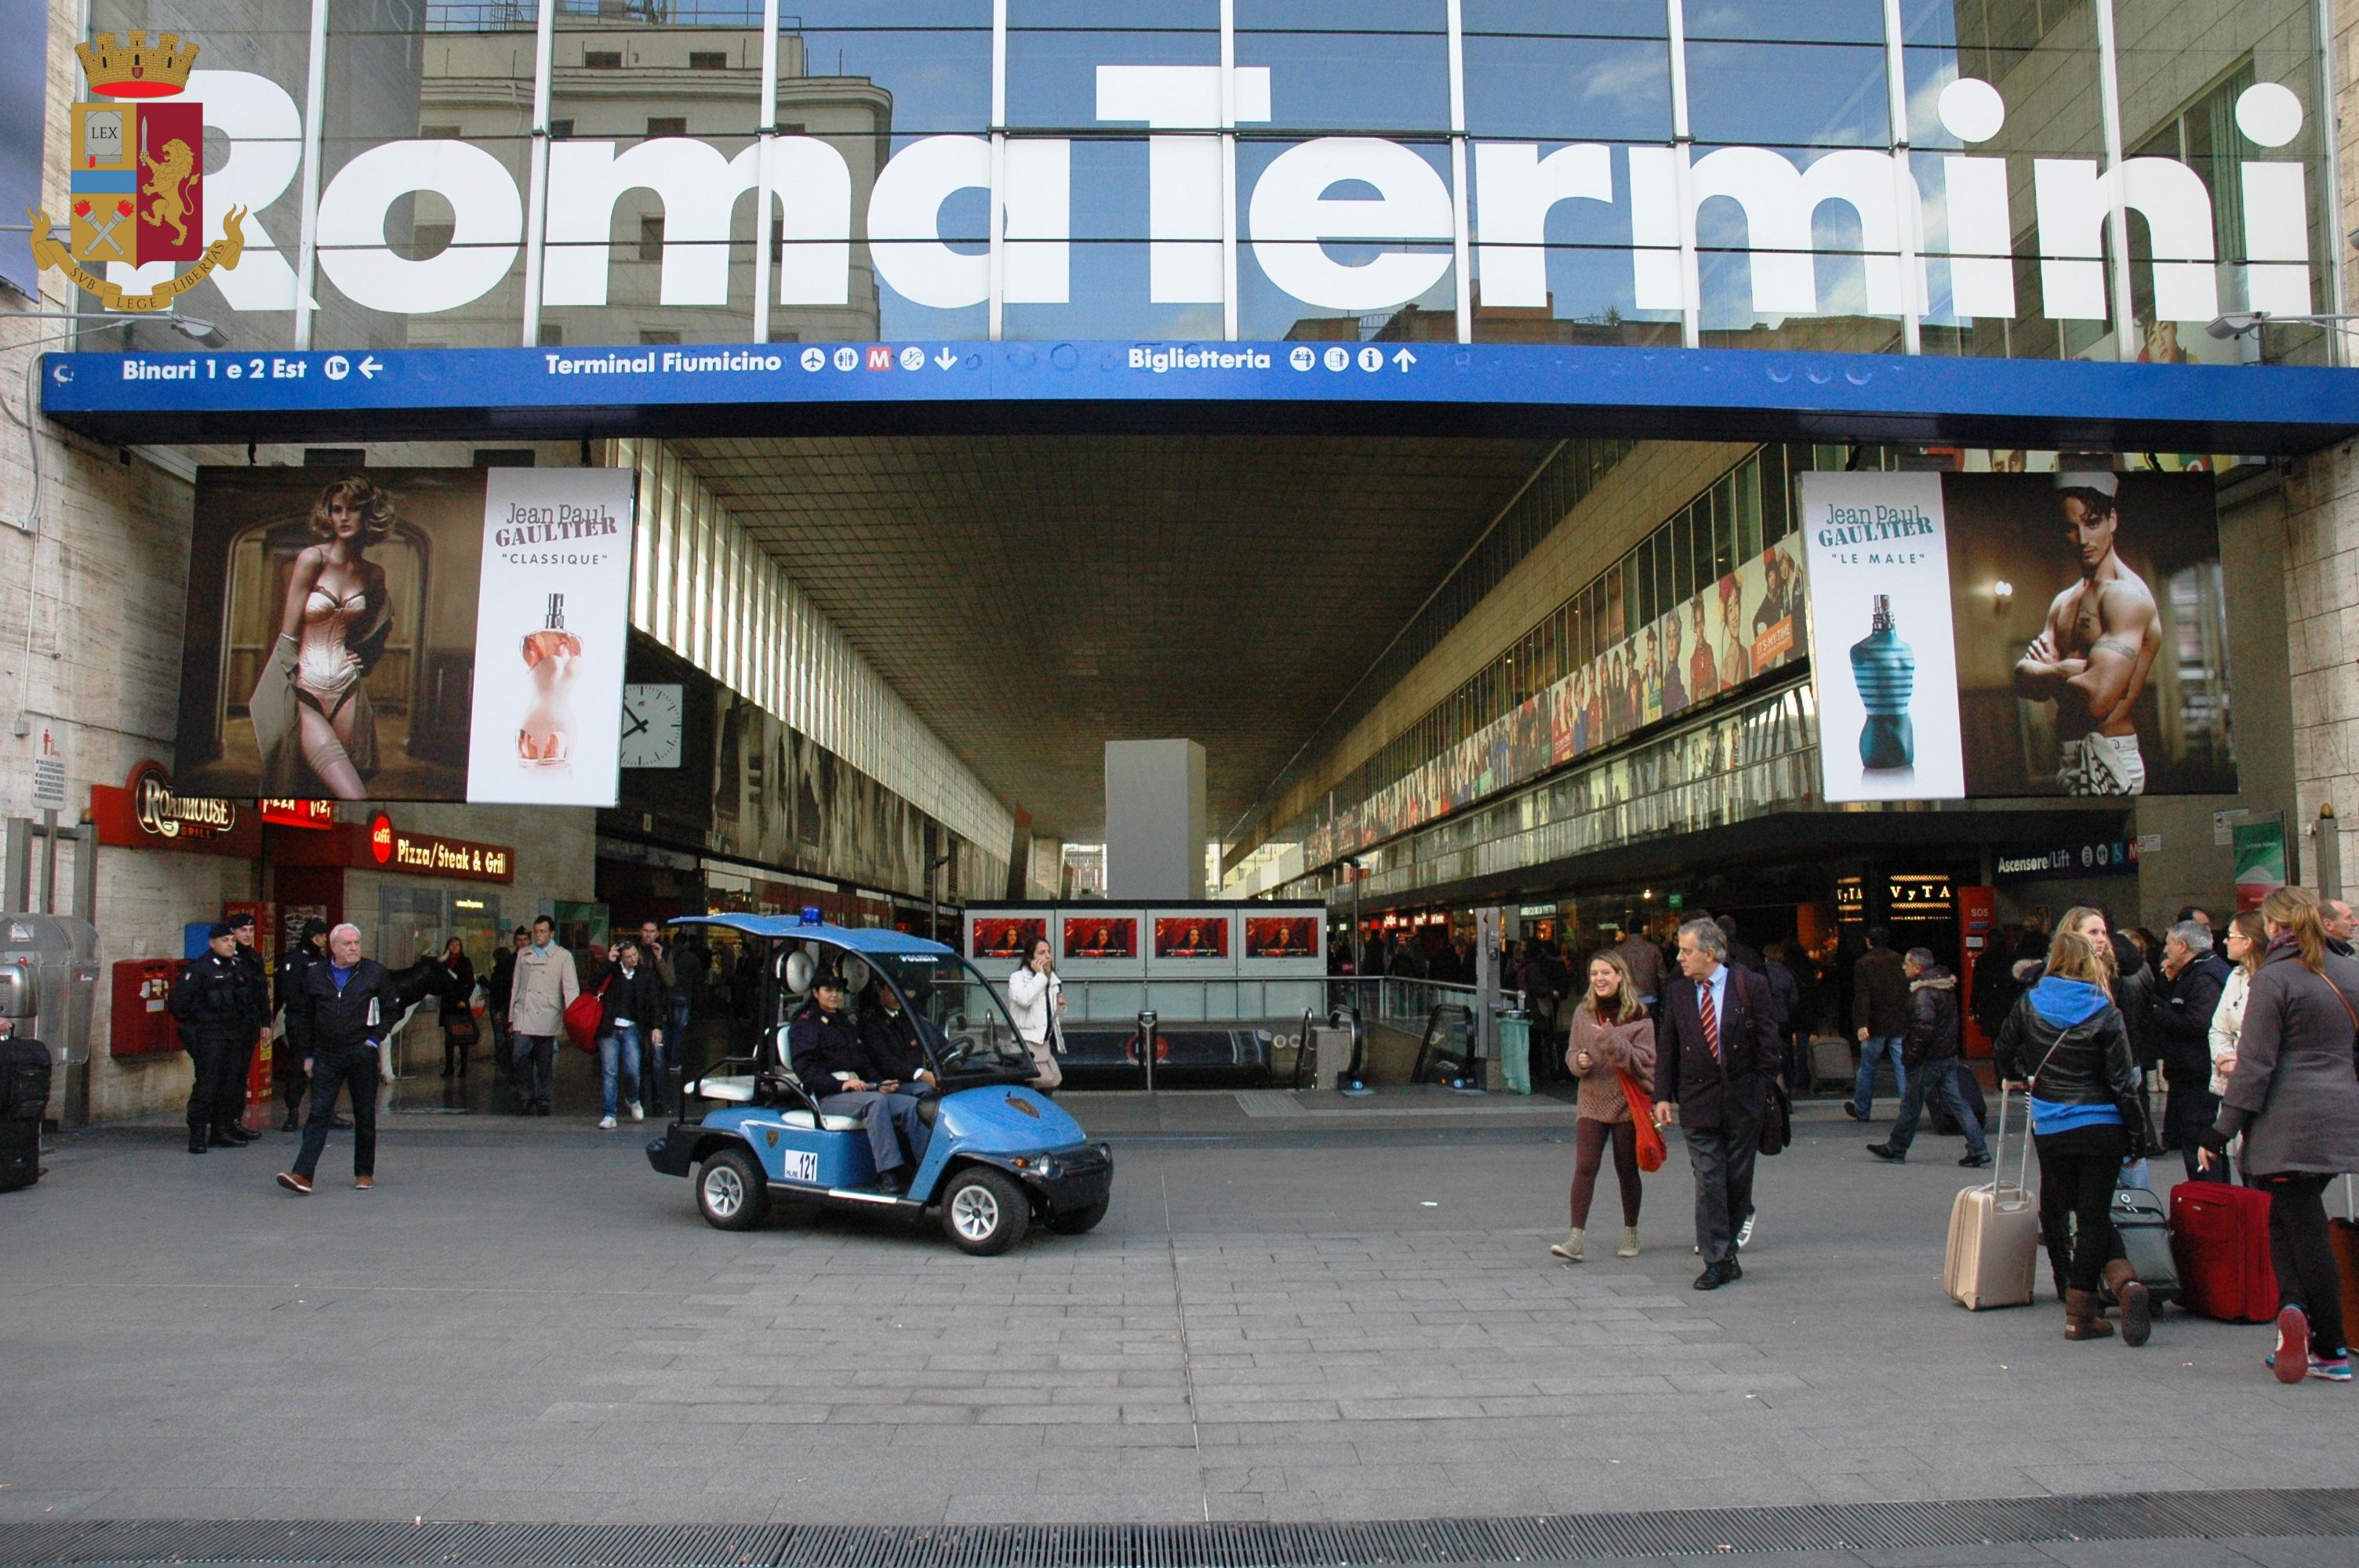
(2100, 643)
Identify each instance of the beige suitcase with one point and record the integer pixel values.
(1994, 1233)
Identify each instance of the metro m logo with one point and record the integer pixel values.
(879, 357)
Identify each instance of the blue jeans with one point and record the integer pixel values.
(620, 1049)
(1872, 1050)
(1941, 1079)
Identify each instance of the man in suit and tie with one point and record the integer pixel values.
(1711, 1079)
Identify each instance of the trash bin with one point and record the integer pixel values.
(1516, 1053)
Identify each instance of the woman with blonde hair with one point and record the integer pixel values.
(2294, 1098)
(310, 707)
(1611, 1036)
(2066, 1041)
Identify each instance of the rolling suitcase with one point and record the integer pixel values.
(20, 1154)
(1830, 1061)
(1994, 1233)
(2343, 1235)
(2144, 1231)
(24, 1081)
(2220, 1239)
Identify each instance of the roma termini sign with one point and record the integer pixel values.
(1338, 222)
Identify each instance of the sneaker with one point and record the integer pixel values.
(1743, 1237)
(1888, 1153)
(1975, 1161)
(2291, 1362)
(363, 1183)
(636, 1114)
(2330, 1368)
(1569, 1248)
(1629, 1248)
(295, 1184)
(606, 1124)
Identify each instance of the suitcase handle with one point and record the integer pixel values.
(1998, 1149)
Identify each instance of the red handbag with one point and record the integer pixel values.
(1651, 1149)
(584, 1013)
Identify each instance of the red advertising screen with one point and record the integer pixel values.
(1191, 936)
(1100, 936)
(1282, 937)
(1006, 936)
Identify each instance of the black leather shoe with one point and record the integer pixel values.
(893, 1182)
(1888, 1153)
(1975, 1161)
(198, 1138)
(1715, 1275)
(1854, 1111)
(1731, 1271)
(233, 1137)
(292, 1124)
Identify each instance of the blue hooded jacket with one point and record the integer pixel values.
(2056, 1025)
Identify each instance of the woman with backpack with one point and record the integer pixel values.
(2066, 1041)
(1611, 1036)
(2295, 1098)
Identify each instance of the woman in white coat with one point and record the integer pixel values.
(1036, 998)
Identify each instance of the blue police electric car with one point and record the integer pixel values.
(999, 1154)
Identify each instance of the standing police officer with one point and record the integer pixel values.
(214, 1004)
(294, 1073)
(237, 1067)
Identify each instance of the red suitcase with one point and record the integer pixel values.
(2220, 1236)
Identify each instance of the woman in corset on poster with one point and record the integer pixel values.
(311, 710)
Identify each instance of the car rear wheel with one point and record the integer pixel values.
(730, 1191)
(1075, 1221)
(985, 1212)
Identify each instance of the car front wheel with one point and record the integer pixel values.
(730, 1191)
(985, 1211)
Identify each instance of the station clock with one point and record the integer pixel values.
(651, 726)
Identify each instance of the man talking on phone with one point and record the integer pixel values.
(1712, 1078)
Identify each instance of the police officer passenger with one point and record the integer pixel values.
(216, 1001)
(832, 1060)
(294, 1073)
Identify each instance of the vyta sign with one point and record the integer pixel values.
(1392, 206)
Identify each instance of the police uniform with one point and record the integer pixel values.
(237, 1064)
(295, 1046)
(213, 1004)
(826, 1049)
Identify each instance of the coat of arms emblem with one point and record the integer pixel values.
(136, 184)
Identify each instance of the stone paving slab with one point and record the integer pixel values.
(523, 1322)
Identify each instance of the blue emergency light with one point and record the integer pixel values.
(810, 915)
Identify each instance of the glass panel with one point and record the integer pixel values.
(1565, 273)
(651, 175)
(251, 82)
(424, 156)
(1389, 281)
(1786, 21)
(1567, 89)
(1825, 95)
(1078, 65)
(1117, 282)
(1371, 67)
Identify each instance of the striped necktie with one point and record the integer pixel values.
(1711, 1018)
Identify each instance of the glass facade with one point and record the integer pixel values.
(2010, 178)
(704, 588)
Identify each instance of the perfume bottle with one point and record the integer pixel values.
(1884, 669)
(553, 657)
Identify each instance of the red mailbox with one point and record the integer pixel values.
(142, 1027)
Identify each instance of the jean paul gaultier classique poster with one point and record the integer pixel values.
(1883, 660)
(551, 623)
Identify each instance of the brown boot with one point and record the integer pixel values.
(2082, 1318)
(2137, 1308)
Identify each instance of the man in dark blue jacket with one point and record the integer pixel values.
(2181, 1026)
(1712, 1070)
(213, 1002)
(833, 1062)
(349, 1006)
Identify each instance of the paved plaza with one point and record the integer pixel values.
(1290, 1315)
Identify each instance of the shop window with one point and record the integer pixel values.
(601, 60)
(667, 124)
(708, 60)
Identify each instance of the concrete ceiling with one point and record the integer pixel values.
(1033, 597)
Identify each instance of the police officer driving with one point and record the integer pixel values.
(833, 1062)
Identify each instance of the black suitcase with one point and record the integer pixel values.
(20, 1154)
(24, 1080)
(2145, 1229)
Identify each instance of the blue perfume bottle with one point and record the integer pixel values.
(1884, 669)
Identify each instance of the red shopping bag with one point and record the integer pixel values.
(1651, 1151)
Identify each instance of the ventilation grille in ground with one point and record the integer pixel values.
(1563, 1537)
